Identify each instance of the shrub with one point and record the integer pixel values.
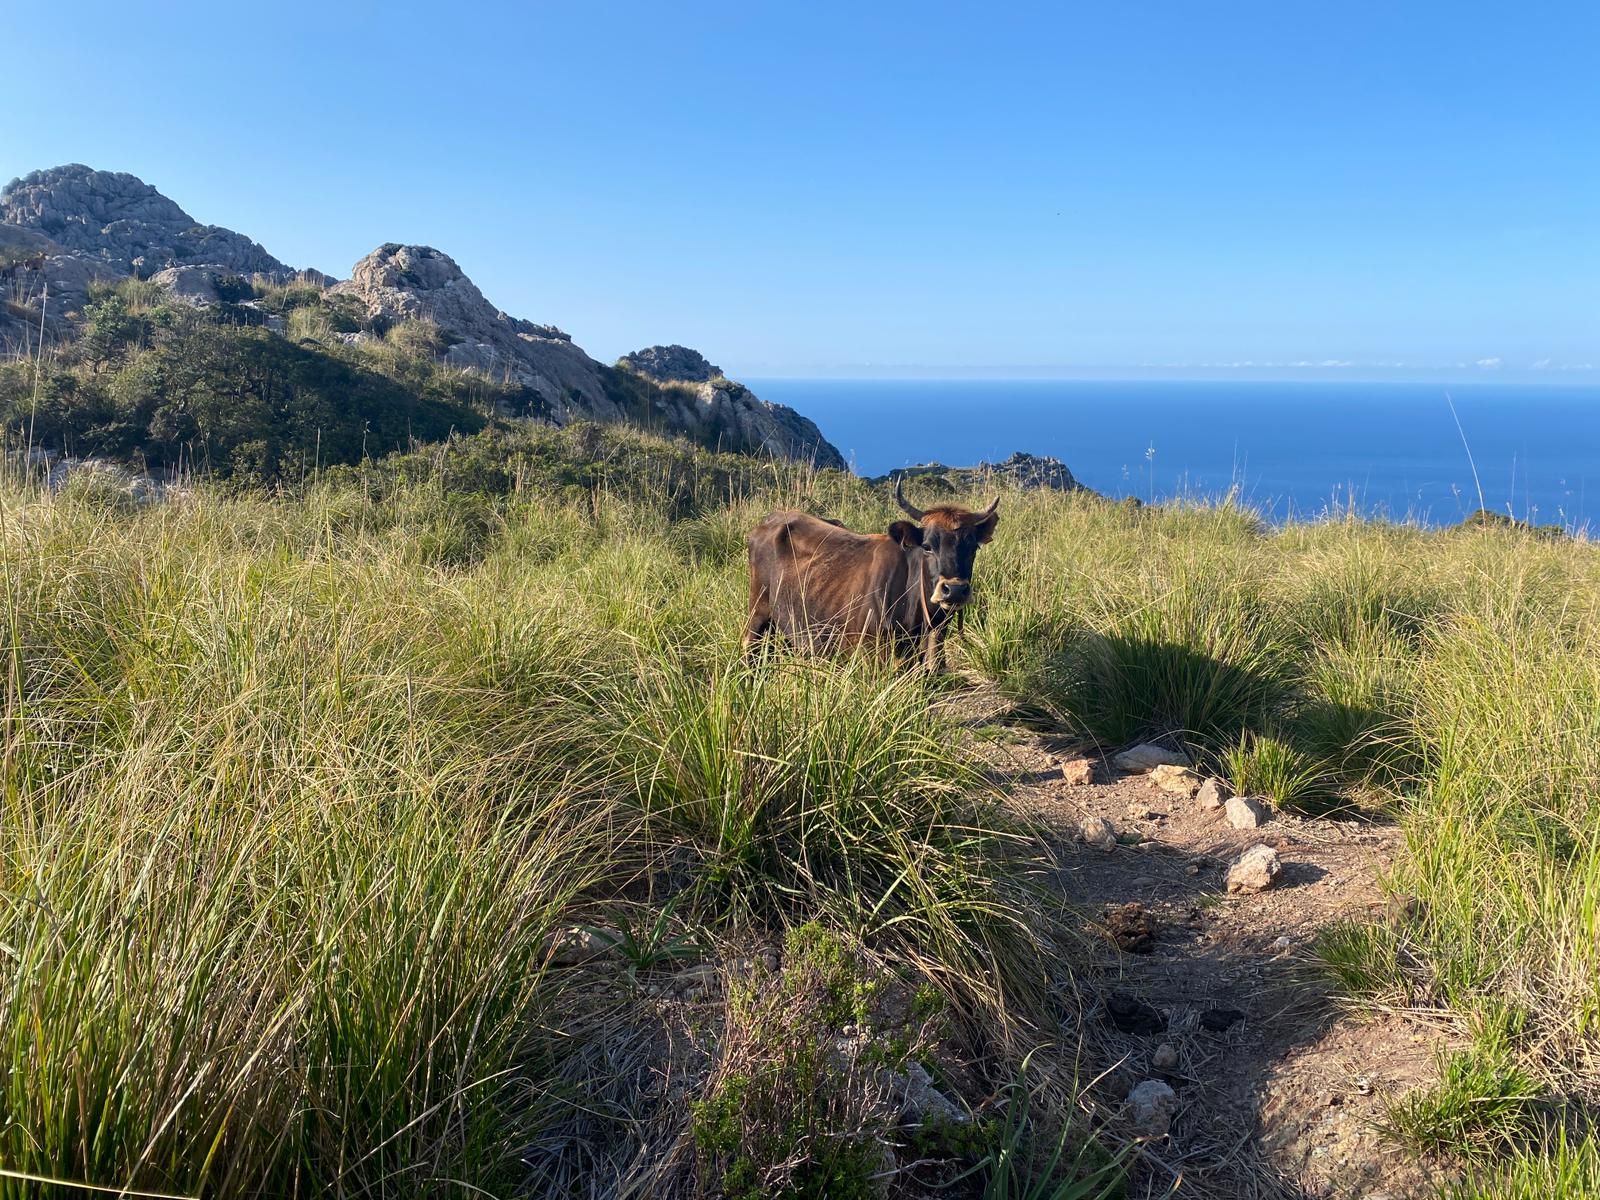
(797, 1103)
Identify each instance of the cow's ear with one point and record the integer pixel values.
(986, 526)
(906, 533)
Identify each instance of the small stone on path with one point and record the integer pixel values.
(1213, 793)
(1178, 780)
(1152, 1105)
(1078, 773)
(1147, 755)
(1098, 832)
(1255, 870)
(1246, 812)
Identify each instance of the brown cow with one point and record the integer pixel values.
(824, 587)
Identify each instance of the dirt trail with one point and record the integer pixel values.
(1282, 1102)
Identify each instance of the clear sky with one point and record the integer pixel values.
(900, 188)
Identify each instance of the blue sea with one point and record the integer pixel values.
(1301, 449)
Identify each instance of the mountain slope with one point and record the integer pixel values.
(68, 230)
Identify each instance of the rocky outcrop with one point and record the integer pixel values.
(66, 228)
(724, 415)
(41, 279)
(661, 386)
(193, 285)
(125, 223)
(400, 283)
(1020, 470)
(670, 364)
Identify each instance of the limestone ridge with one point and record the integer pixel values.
(125, 223)
(716, 411)
(68, 227)
(399, 283)
(671, 364)
(73, 226)
(1023, 470)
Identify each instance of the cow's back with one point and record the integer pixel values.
(818, 581)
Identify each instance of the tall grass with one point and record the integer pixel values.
(297, 790)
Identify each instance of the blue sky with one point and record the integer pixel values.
(901, 189)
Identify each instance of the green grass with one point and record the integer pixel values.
(295, 790)
(1479, 1107)
(296, 793)
(1263, 765)
(1562, 1166)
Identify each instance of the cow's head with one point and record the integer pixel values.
(949, 537)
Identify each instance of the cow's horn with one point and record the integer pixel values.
(993, 505)
(914, 513)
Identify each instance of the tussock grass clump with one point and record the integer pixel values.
(1478, 1107)
(1263, 765)
(803, 788)
(1560, 1166)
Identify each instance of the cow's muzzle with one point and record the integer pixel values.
(952, 593)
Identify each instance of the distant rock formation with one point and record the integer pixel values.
(668, 364)
(1020, 470)
(63, 229)
(398, 283)
(125, 223)
(695, 397)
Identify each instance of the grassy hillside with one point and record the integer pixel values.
(167, 386)
(301, 793)
(270, 385)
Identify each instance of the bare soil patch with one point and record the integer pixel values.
(1279, 1085)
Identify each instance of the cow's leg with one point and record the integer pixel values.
(759, 624)
(756, 630)
(933, 652)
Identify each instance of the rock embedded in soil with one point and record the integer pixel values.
(1147, 755)
(1255, 870)
(1151, 1107)
(1165, 1057)
(1131, 1015)
(1078, 773)
(1213, 793)
(921, 1101)
(1180, 781)
(575, 945)
(698, 977)
(1098, 832)
(1246, 812)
